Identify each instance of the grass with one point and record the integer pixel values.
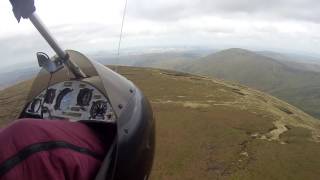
(217, 135)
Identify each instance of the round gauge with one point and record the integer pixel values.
(45, 113)
(35, 106)
(98, 110)
(50, 95)
(84, 97)
(64, 99)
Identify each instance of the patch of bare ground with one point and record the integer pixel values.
(275, 133)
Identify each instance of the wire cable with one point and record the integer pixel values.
(121, 32)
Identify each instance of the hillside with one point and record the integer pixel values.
(9, 76)
(290, 77)
(287, 80)
(162, 60)
(208, 129)
(295, 61)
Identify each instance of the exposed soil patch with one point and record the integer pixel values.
(240, 93)
(237, 91)
(176, 74)
(283, 109)
(274, 134)
(195, 105)
(186, 104)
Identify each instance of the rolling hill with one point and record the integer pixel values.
(208, 129)
(293, 78)
(287, 80)
(166, 60)
(10, 76)
(296, 61)
(162, 60)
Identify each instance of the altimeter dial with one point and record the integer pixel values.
(98, 110)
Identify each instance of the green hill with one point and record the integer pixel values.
(287, 80)
(208, 129)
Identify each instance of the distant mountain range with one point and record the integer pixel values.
(12, 76)
(293, 78)
(295, 61)
(295, 81)
(290, 77)
(163, 60)
(255, 70)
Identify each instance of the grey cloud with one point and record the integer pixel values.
(307, 10)
(83, 32)
(22, 48)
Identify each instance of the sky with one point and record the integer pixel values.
(93, 26)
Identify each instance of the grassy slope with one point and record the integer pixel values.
(11, 101)
(207, 129)
(294, 85)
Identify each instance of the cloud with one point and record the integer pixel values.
(173, 10)
(291, 25)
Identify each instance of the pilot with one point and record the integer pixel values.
(37, 149)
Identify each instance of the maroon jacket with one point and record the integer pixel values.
(49, 149)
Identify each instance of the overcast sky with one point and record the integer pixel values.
(94, 25)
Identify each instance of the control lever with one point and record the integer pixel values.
(50, 66)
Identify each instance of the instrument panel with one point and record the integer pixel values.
(73, 100)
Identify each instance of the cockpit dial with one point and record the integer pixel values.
(84, 97)
(98, 110)
(35, 106)
(50, 95)
(64, 99)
